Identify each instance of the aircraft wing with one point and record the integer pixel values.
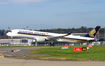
(56, 37)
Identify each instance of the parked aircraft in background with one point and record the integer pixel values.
(39, 36)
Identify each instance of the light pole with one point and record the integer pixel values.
(8, 36)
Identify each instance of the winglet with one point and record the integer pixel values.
(69, 33)
(94, 32)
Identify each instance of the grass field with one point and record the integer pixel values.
(96, 53)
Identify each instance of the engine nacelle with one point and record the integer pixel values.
(40, 39)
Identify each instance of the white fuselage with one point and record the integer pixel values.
(43, 36)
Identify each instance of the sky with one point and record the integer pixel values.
(48, 14)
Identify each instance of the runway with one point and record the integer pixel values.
(22, 62)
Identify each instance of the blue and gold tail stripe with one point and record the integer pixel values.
(94, 32)
(97, 30)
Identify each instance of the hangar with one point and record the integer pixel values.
(14, 42)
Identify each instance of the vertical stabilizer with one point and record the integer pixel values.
(94, 32)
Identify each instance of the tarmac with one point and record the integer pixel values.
(20, 51)
(22, 62)
(29, 62)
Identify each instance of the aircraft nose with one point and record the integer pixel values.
(8, 34)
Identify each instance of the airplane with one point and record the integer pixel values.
(40, 36)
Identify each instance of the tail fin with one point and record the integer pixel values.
(94, 32)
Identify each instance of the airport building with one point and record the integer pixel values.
(14, 42)
(29, 42)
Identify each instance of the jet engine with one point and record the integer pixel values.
(40, 39)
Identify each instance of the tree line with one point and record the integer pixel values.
(82, 29)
